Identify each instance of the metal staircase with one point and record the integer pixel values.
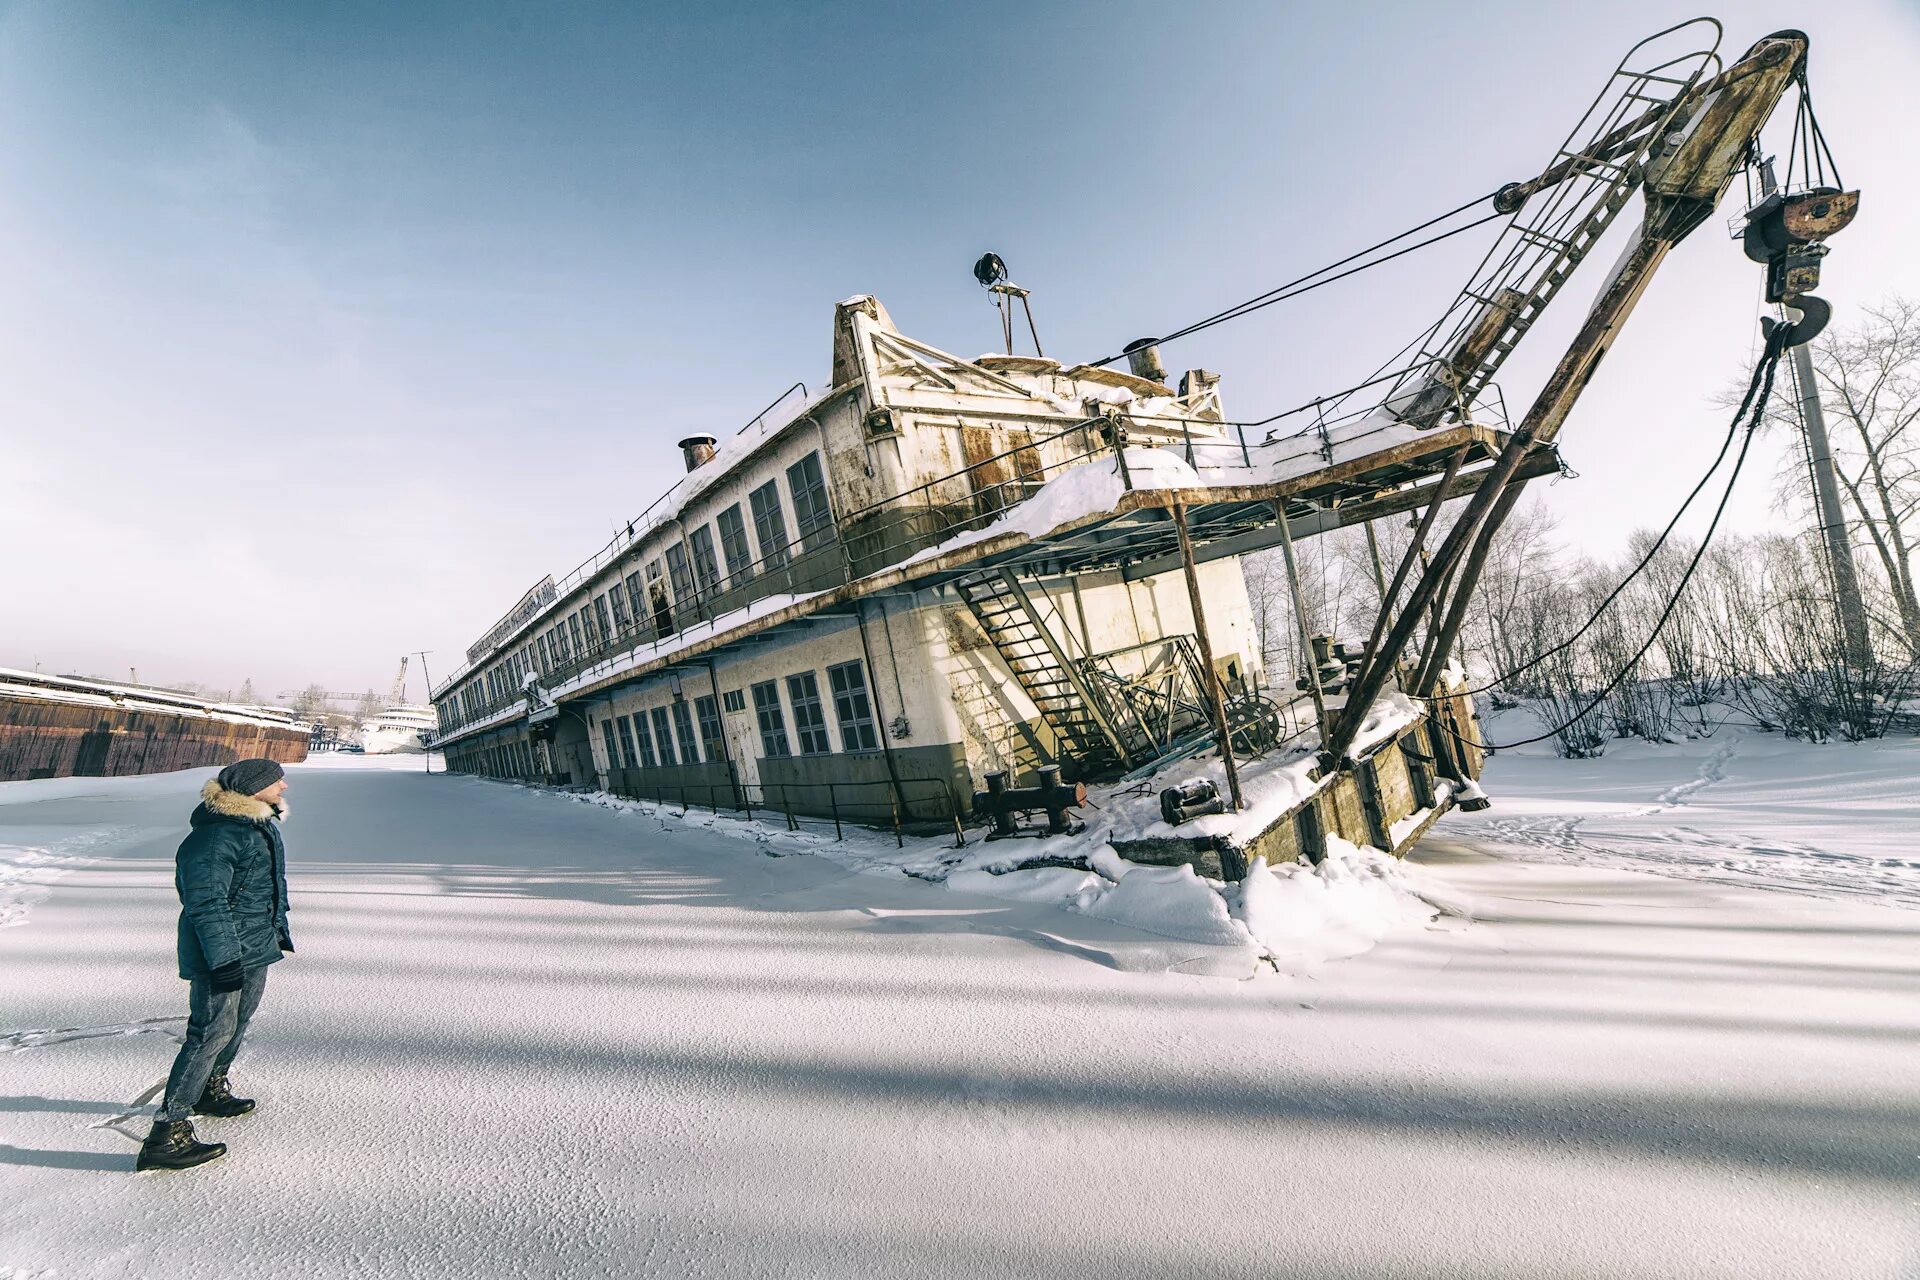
(1070, 704)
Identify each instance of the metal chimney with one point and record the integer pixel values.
(698, 450)
(1143, 357)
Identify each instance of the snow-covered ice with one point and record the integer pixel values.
(1354, 894)
(1740, 807)
(530, 1036)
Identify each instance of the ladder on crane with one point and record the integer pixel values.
(1593, 174)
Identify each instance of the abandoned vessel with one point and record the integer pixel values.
(895, 598)
(67, 726)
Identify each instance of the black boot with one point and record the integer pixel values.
(217, 1100)
(172, 1145)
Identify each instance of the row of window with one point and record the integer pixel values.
(512, 759)
(670, 587)
(682, 734)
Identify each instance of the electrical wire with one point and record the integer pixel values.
(1294, 288)
(1733, 430)
(1763, 377)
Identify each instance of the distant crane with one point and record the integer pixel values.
(394, 698)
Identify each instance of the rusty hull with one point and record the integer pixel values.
(43, 739)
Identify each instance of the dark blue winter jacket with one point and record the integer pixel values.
(231, 873)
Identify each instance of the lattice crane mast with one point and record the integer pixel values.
(1674, 126)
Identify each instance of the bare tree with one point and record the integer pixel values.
(1504, 630)
(1271, 607)
(1565, 677)
(1868, 378)
(1871, 375)
(1283, 648)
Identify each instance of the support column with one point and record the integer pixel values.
(1826, 491)
(1833, 519)
(1216, 702)
(1300, 621)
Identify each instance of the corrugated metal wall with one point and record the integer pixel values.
(60, 740)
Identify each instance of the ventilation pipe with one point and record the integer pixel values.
(698, 451)
(1143, 357)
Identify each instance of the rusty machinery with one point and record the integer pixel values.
(1004, 804)
(1678, 129)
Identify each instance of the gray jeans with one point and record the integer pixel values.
(216, 1022)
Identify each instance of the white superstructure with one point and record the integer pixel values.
(401, 727)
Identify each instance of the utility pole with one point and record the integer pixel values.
(422, 655)
(1826, 488)
(1833, 520)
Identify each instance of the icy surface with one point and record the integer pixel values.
(530, 1036)
(1173, 902)
(1739, 808)
(1341, 908)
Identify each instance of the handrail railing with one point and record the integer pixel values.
(629, 536)
(844, 804)
(895, 528)
(778, 797)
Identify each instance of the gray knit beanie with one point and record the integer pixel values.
(250, 776)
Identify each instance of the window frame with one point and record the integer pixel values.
(680, 579)
(804, 699)
(637, 600)
(812, 510)
(625, 725)
(735, 550)
(776, 746)
(706, 564)
(643, 737)
(683, 730)
(663, 739)
(769, 516)
(853, 706)
(706, 719)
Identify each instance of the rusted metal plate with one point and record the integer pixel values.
(58, 740)
(999, 478)
(1815, 216)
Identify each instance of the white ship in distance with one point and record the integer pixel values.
(400, 728)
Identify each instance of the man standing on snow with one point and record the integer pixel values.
(231, 873)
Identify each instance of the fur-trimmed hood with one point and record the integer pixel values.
(218, 801)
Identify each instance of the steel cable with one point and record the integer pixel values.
(1733, 430)
(1294, 288)
(1762, 382)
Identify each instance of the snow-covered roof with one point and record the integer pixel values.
(35, 686)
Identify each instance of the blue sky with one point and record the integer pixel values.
(328, 329)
